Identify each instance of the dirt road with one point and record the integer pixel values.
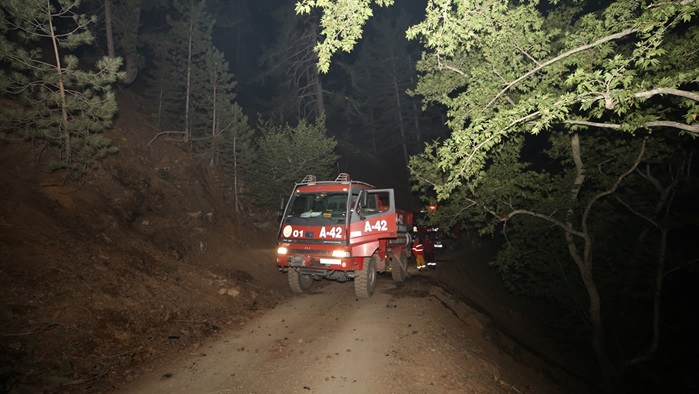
(407, 338)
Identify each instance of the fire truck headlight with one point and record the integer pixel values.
(282, 250)
(340, 253)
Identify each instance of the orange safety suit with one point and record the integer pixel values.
(419, 254)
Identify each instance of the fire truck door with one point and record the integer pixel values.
(377, 215)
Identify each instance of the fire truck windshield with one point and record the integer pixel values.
(317, 205)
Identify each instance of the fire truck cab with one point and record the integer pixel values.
(342, 230)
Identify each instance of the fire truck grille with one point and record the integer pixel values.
(305, 251)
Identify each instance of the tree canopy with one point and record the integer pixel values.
(288, 153)
(56, 99)
(503, 68)
(565, 116)
(529, 71)
(290, 64)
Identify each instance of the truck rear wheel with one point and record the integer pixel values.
(365, 280)
(299, 283)
(399, 267)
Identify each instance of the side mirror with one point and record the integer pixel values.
(364, 200)
(280, 212)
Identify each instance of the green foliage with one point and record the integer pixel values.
(235, 146)
(57, 99)
(550, 76)
(288, 153)
(502, 68)
(341, 23)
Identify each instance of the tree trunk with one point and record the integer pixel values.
(401, 123)
(64, 132)
(130, 51)
(584, 264)
(108, 28)
(659, 222)
(372, 129)
(214, 124)
(187, 132)
(418, 134)
(160, 108)
(609, 373)
(416, 110)
(320, 102)
(235, 173)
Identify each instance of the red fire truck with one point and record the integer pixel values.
(342, 230)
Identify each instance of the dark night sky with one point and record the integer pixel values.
(259, 33)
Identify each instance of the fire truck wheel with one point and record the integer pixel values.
(399, 268)
(365, 281)
(299, 283)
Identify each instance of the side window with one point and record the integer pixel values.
(377, 202)
(384, 202)
(371, 204)
(367, 203)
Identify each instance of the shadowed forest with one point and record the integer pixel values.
(564, 132)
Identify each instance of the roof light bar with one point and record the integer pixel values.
(309, 179)
(343, 177)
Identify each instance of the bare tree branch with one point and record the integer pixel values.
(555, 222)
(612, 189)
(694, 129)
(675, 92)
(635, 212)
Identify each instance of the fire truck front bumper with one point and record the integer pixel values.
(326, 260)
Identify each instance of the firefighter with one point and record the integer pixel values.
(428, 247)
(418, 252)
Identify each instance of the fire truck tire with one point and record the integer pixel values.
(399, 268)
(299, 283)
(365, 280)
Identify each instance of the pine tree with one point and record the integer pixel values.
(291, 65)
(59, 100)
(177, 80)
(192, 87)
(161, 96)
(288, 153)
(127, 40)
(235, 150)
(220, 96)
(191, 78)
(230, 143)
(383, 74)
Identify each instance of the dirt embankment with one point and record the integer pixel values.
(141, 259)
